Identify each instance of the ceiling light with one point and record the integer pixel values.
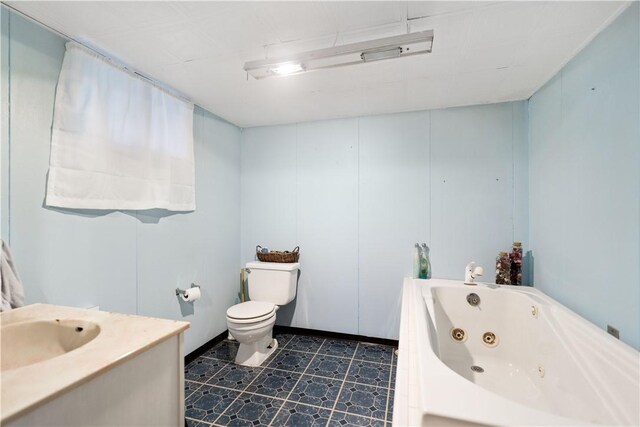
(286, 69)
(339, 56)
(378, 55)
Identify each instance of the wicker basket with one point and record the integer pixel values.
(277, 256)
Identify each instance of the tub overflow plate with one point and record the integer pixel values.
(473, 299)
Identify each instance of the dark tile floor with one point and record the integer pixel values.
(308, 381)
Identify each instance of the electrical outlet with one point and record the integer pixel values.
(613, 331)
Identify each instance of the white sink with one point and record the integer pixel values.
(30, 342)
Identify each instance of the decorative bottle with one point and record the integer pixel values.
(425, 264)
(515, 258)
(503, 269)
(416, 262)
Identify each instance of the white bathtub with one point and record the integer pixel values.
(549, 366)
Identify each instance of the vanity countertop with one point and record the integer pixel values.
(121, 337)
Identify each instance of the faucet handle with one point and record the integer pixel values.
(471, 272)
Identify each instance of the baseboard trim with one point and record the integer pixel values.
(327, 334)
(205, 347)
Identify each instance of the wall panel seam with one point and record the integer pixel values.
(513, 177)
(8, 176)
(430, 179)
(358, 225)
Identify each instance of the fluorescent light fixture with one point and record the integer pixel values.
(378, 55)
(286, 68)
(339, 56)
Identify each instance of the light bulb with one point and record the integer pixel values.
(285, 69)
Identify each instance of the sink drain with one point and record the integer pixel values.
(478, 369)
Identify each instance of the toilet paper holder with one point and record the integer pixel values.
(183, 291)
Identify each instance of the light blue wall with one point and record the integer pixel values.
(585, 180)
(356, 194)
(4, 119)
(128, 262)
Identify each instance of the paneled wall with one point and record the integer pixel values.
(585, 180)
(356, 194)
(122, 261)
(4, 120)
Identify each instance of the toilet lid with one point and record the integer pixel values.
(250, 310)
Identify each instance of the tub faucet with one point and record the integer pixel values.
(472, 271)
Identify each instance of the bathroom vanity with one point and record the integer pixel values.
(71, 366)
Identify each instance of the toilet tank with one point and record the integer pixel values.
(272, 282)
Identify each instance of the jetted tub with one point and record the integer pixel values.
(516, 358)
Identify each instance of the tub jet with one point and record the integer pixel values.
(490, 339)
(457, 334)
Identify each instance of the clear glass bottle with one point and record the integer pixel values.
(416, 261)
(503, 269)
(425, 263)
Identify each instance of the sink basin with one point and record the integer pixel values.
(30, 342)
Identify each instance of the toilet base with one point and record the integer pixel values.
(253, 354)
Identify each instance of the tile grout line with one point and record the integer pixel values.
(343, 381)
(315, 375)
(239, 394)
(226, 363)
(287, 342)
(310, 352)
(197, 382)
(386, 408)
(286, 400)
(193, 391)
(311, 375)
(304, 372)
(198, 421)
(242, 391)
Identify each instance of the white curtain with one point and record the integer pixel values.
(118, 142)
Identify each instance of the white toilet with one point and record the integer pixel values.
(270, 285)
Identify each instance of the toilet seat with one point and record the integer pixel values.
(251, 312)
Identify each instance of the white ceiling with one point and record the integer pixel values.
(483, 52)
